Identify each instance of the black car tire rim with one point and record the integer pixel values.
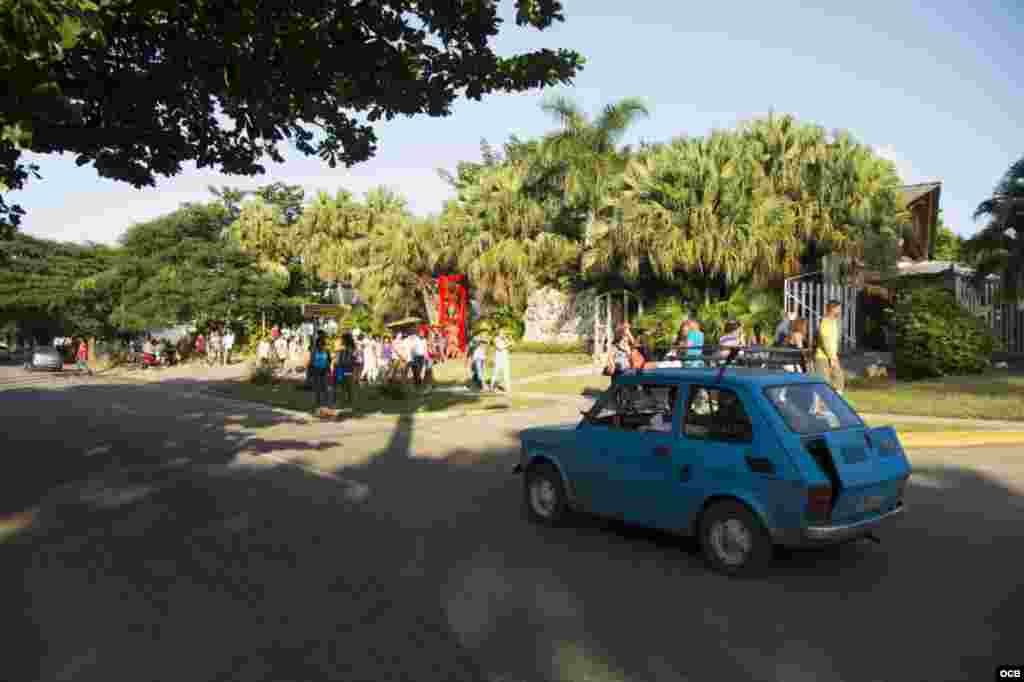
(543, 496)
(731, 540)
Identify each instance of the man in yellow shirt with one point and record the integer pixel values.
(826, 354)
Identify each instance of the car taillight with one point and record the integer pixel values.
(819, 500)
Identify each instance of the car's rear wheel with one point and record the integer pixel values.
(544, 495)
(733, 540)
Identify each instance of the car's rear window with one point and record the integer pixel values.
(812, 408)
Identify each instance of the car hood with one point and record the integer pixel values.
(547, 434)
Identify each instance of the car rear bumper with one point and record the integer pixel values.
(836, 533)
(841, 532)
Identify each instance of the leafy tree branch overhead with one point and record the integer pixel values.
(135, 88)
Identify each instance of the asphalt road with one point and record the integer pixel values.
(170, 541)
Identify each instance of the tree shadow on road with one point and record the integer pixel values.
(229, 567)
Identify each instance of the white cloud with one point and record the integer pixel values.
(102, 216)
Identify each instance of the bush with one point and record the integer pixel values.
(935, 336)
(546, 348)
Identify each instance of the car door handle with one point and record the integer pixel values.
(761, 465)
(662, 451)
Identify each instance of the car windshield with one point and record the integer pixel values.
(812, 408)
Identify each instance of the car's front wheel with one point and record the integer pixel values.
(544, 495)
(733, 540)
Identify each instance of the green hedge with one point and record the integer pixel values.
(544, 348)
(935, 336)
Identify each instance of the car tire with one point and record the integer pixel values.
(544, 495)
(734, 541)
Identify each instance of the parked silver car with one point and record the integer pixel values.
(45, 357)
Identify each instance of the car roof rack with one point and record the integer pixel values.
(722, 357)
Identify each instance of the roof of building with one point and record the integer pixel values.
(935, 267)
(912, 193)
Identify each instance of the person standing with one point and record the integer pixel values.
(502, 364)
(797, 340)
(785, 328)
(319, 366)
(694, 339)
(477, 361)
(418, 356)
(215, 347)
(344, 366)
(201, 346)
(826, 344)
(83, 358)
(229, 344)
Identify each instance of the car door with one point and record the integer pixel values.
(652, 475)
(719, 441)
(621, 459)
(589, 466)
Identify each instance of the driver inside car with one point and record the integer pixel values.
(662, 420)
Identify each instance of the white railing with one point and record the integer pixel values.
(809, 298)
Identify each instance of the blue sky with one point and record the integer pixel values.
(935, 88)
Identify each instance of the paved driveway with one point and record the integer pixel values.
(171, 542)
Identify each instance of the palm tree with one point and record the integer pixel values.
(580, 162)
(504, 244)
(999, 246)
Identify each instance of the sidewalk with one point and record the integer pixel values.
(198, 376)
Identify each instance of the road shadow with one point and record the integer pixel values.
(228, 567)
(601, 599)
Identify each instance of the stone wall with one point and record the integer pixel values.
(553, 316)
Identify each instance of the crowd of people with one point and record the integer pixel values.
(688, 349)
(406, 357)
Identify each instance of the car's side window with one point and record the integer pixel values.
(716, 414)
(645, 407)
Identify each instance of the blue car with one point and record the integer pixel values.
(745, 459)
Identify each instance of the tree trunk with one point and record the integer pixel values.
(431, 299)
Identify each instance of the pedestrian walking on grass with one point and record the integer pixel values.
(319, 366)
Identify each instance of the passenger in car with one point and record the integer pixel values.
(662, 420)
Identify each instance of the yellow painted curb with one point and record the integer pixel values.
(962, 439)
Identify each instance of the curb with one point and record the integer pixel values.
(961, 439)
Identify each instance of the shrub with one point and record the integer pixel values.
(550, 348)
(935, 336)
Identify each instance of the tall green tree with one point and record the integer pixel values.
(581, 161)
(948, 244)
(998, 248)
(178, 268)
(40, 281)
(317, 74)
